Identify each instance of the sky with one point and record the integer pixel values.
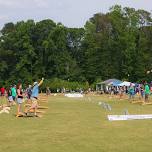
(71, 13)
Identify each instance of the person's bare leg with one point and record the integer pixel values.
(28, 109)
(31, 108)
(35, 111)
(18, 109)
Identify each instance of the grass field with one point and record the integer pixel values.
(77, 125)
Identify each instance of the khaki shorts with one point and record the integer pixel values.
(34, 102)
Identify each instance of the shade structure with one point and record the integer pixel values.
(114, 82)
(127, 84)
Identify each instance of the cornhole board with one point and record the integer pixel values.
(147, 103)
(39, 107)
(43, 101)
(128, 117)
(38, 111)
(134, 102)
(42, 98)
(42, 107)
(26, 116)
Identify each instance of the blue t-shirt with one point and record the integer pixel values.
(35, 91)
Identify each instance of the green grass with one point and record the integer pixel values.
(77, 125)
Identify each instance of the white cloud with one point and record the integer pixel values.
(24, 3)
(3, 17)
(9, 3)
(41, 3)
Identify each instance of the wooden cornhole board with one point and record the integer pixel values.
(43, 96)
(20, 115)
(26, 116)
(42, 107)
(147, 103)
(136, 102)
(38, 111)
(39, 107)
(29, 116)
(40, 101)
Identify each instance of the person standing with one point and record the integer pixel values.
(2, 91)
(142, 91)
(147, 92)
(48, 91)
(14, 93)
(19, 100)
(151, 88)
(34, 96)
(131, 91)
(29, 93)
(10, 99)
(121, 92)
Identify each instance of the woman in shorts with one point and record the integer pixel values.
(19, 99)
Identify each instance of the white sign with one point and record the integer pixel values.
(128, 117)
(74, 95)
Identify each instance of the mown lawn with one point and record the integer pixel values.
(77, 125)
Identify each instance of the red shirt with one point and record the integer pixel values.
(2, 90)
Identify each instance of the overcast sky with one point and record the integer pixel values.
(72, 13)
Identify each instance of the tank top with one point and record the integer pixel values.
(21, 94)
(9, 93)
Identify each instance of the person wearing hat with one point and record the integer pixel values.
(29, 93)
(34, 96)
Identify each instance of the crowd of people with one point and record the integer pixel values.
(15, 94)
(141, 90)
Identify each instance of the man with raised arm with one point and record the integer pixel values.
(34, 96)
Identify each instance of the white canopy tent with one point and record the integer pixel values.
(125, 83)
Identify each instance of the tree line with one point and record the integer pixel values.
(117, 44)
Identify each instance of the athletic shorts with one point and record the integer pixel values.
(10, 99)
(34, 100)
(146, 96)
(13, 98)
(28, 96)
(19, 100)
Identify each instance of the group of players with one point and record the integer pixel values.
(16, 95)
